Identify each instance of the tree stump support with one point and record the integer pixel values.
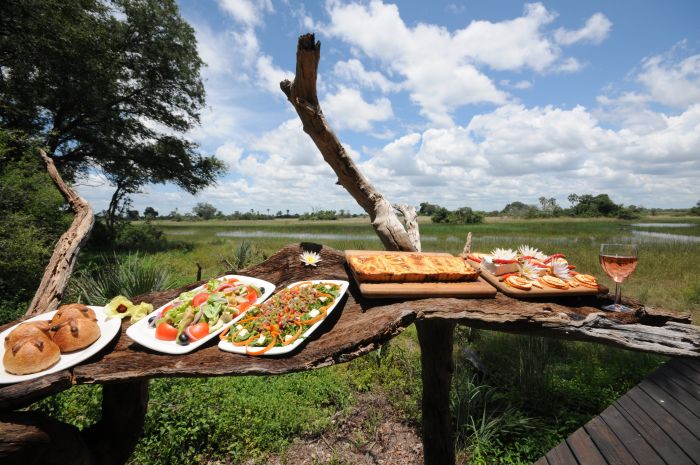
(436, 338)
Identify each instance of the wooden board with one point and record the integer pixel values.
(536, 292)
(472, 289)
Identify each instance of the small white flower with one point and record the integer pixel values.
(530, 271)
(504, 254)
(310, 258)
(527, 251)
(560, 268)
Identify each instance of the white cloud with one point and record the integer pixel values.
(347, 109)
(440, 67)
(269, 75)
(247, 12)
(676, 84)
(354, 72)
(596, 30)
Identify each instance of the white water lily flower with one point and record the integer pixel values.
(504, 254)
(527, 251)
(560, 268)
(530, 271)
(310, 258)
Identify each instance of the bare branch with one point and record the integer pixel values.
(55, 279)
(410, 223)
(303, 97)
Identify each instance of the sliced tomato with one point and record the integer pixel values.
(166, 332)
(199, 299)
(197, 331)
(232, 281)
(243, 307)
(252, 295)
(166, 310)
(503, 261)
(474, 258)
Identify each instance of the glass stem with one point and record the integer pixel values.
(618, 294)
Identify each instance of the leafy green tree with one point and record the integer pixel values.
(696, 209)
(107, 86)
(33, 215)
(465, 215)
(204, 210)
(150, 213)
(427, 209)
(589, 205)
(440, 215)
(519, 209)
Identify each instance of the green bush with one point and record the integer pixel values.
(128, 275)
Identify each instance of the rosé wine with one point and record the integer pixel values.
(618, 267)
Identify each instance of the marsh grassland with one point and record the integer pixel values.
(534, 393)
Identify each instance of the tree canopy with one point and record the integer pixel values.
(107, 86)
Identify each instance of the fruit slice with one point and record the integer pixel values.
(554, 282)
(519, 282)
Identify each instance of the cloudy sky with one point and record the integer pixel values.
(475, 103)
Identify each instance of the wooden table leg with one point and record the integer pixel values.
(436, 337)
(112, 439)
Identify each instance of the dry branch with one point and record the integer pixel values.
(303, 97)
(57, 272)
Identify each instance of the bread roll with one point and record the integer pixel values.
(75, 334)
(68, 311)
(31, 328)
(30, 354)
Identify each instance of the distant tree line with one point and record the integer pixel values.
(438, 214)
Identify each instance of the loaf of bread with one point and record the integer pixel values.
(75, 333)
(30, 354)
(68, 311)
(31, 328)
(410, 268)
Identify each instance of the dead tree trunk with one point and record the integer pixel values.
(302, 95)
(57, 272)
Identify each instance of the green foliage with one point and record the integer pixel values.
(32, 217)
(129, 275)
(94, 89)
(519, 210)
(246, 254)
(428, 209)
(590, 206)
(230, 419)
(695, 210)
(319, 215)
(464, 215)
(204, 210)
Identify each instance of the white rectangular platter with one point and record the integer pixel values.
(143, 334)
(109, 327)
(228, 347)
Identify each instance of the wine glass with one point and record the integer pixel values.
(618, 261)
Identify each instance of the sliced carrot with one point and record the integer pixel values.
(265, 349)
(295, 337)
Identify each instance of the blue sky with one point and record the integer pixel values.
(476, 103)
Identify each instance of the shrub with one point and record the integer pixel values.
(128, 275)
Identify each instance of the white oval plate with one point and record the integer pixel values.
(228, 347)
(109, 327)
(141, 333)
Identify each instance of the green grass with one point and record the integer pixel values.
(536, 391)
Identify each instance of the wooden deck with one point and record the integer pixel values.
(656, 423)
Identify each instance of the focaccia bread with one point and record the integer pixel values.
(410, 268)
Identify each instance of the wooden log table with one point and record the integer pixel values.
(356, 327)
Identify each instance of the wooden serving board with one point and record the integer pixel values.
(536, 292)
(471, 289)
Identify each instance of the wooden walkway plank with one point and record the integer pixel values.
(671, 426)
(667, 380)
(653, 434)
(633, 441)
(561, 455)
(608, 444)
(584, 449)
(672, 403)
(686, 377)
(542, 461)
(692, 364)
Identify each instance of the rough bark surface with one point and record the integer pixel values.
(303, 97)
(410, 223)
(57, 272)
